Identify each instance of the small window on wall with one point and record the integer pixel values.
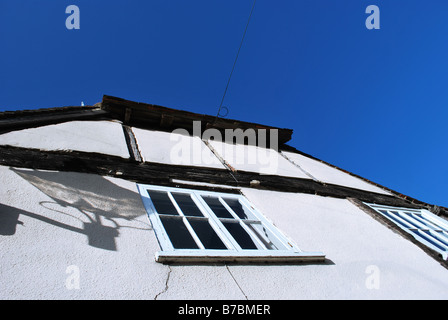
(202, 226)
(423, 225)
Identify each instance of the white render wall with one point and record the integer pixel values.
(324, 173)
(355, 243)
(89, 136)
(175, 149)
(68, 219)
(256, 159)
(51, 221)
(107, 137)
(53, 224)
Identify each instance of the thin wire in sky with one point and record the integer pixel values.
(236, 59)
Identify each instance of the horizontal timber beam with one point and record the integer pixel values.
(164, 174)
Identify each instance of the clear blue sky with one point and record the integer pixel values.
(374, 102)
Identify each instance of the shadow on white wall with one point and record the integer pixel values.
(98, 199)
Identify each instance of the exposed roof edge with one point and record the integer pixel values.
(33, 112)
(150, 116)
(25, 119)
(136, 114)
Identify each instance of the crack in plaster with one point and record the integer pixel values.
(227, 267)
(298, 166)
(166, 284)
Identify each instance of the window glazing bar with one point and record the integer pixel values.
(186, 222)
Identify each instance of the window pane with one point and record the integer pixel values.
(206, 234)
(265, 236)
(425, 221)
(238, 208)
(428, 237)
(187, 205)
(162, 202)
(408, 219)
(440, 236)
(240, 235)
(218, 209)
(420, 223)
(178, 233)
(392, 217)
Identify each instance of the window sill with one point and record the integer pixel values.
(217, 256)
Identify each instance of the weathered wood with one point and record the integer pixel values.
(274, 257)
(131, 142)
(77, 161)
(164, 174)
(309, 186)
(149, 116)
(10, 121)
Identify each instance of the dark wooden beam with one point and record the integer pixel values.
(154, 117)
(18, 120)
(131, 143)
(166, 175)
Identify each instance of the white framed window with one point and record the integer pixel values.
(203, 226)
(423, 225)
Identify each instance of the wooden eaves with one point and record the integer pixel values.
(150, 116)
(25, 119)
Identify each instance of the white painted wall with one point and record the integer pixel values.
(55, 215)
(90, 136)
(256, 159)
(353, 241)
(52, 220)
(162, 147)
(325, 173)
(174, 148)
